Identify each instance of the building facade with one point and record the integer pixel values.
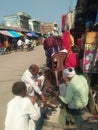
(18, 20)
(34, 25)
(49, 28)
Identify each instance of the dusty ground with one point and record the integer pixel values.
(12, 67)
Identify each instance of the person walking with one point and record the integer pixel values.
(22, 112)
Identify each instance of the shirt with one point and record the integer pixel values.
(76, 93)
(30, 81)
(19, 42)
(27, 41)
(21, 114)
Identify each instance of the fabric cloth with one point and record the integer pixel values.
(62, 89)
(76, 93)
(31, 82)
(27, 42)
(40, 121)
(72, 40)
(71, 60)
(67, 43)
(19, 42)
(21, 114)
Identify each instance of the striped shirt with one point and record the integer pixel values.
(76, 93)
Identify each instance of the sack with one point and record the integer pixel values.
(58, 41)
(49, 42)
(66, 41)
(71, 60)
(91, 37)
(92, 104)
(52, 42)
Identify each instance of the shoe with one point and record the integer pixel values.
(72, 121)
(67, 122)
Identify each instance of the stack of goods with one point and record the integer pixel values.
(52, 45)
(79, 28)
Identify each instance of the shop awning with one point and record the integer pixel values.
(29, 34)
(6, 33)
(14, 34)
(21, 33)
(34, 34)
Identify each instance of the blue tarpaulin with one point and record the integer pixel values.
(14, 34)
(29, 34)
(34, 34)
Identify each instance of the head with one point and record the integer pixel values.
(68, 74)
(19, 89)
(34, 69)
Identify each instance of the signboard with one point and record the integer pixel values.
(12, 21)
(90, 60)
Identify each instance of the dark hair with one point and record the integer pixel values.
(18, 87)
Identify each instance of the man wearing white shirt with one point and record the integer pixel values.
(20, 44)
(34, 82)
(27, 41)
(22, 112)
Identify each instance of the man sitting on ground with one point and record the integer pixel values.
(34, 82)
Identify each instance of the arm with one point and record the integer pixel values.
(69, 94)
(33, 110)
(33, 84)
(36, 87)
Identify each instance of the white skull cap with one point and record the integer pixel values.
(69, 72)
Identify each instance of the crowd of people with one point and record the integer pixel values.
(23, 111)
(24, 43)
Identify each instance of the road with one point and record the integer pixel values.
(12, 67)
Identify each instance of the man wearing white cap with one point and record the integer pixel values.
(76, 97)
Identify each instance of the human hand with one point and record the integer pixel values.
(43, 98)
(39, 82)
(34, 99)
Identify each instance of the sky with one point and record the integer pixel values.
(41, 10)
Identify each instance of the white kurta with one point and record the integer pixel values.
(31, 82)
(21, 114)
